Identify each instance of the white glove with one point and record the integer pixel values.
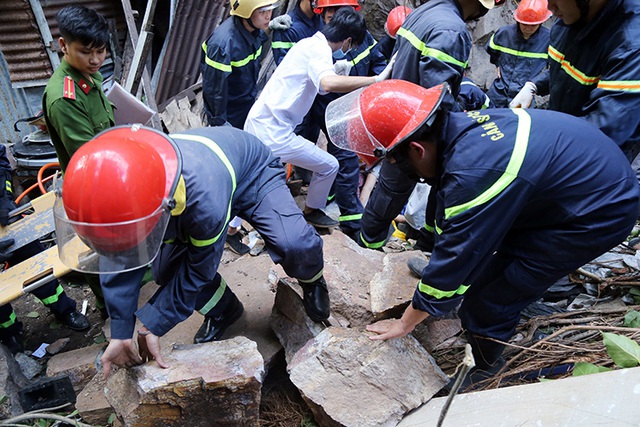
(342, 67)
(386, 73)
(282, 22)
(524, 98)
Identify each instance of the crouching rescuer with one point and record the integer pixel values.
(133, 196)
(524, 197)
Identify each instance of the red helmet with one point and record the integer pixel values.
(532, 12)
(321, 4)
(375, 120)
(395, 19)
(117, 192)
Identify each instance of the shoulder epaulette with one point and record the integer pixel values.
(69, 91)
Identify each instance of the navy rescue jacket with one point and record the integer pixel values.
(301, 28)
(519, 60)
(595, 72)
(230, 64)
(433, 47)
(225, 171)
(533, 183)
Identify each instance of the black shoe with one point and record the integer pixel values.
(424, 242)
(74, 320)
(416, 265)
(319, 219)
(316, 300)
(14, 343)
(213, 328)
(477, 375)
(235, 244)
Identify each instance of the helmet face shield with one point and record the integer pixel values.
(109, 248)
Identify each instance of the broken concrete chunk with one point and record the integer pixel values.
(289, 321)
(92, 405)
(348, 379)
(216, 383)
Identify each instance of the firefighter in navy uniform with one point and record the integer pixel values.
(50, 294)
(304, 23)
(230, 62)
(594, 59)
(519, 51)
(195, 182)
(524, 197)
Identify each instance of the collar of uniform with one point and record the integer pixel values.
(249, 35)
(84, 84)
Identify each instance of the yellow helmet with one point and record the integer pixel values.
(244, 8)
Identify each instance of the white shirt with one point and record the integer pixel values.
(289, 93)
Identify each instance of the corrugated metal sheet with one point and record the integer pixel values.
(194, 21)
(20, 39)
(21, 44)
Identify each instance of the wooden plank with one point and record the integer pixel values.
(34, 226)
(609, 398)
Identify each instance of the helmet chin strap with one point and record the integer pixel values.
(251, 23)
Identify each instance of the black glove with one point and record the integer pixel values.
(4, 245)
(6, 206)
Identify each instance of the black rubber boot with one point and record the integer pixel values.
(214, 326)
(487, 355)
(316, 300)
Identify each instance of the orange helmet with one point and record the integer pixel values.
(374, 120)
(116, 197)
(395, 19)
(532, 12)
(321, 4)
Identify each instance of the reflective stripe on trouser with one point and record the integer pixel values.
(209, 301)
(9, 324)
(345, 187)
(291, 242)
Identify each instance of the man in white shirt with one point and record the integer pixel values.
(305, 71)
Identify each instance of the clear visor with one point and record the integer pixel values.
(268, 7)
(109, 248)
(346, 128)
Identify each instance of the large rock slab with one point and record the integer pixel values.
(348, 379)
(79, 365)
(609, 398)
(215, 383)
(291, 324)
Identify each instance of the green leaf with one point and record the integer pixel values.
(3, 398)
(99, 339)
(624, 352)
(544, 380)
(33, 314)
(55, 325)
(111, 419)
(584, 368)
(632, 319)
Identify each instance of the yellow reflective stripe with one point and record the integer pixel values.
(620, 85)
(363, 54)
(429, 228)
(576, 74)
(427, 51)
(225, 160)
(215, 299)
(313, 279)
(228, 68)
(486, 102)
(437, 293)
(11, 321)
(374, 245)
(53, 298)
(282, 45)
(514, 52)
(353, 217)
(8, 187)
(510, 173)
